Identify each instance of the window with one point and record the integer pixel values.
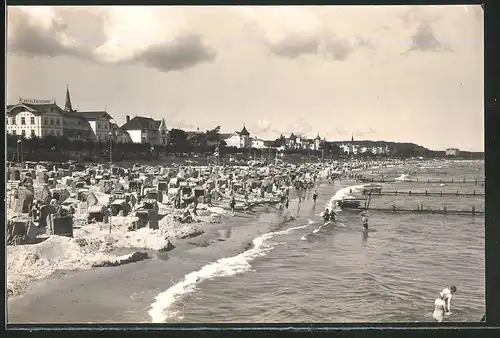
(57, 121)
(52, 121)
(45, 121)
(23, 121)
(14, 121)
(32, 120)
(33, 133)
(14, 133)
(23, 133)
(7, 120)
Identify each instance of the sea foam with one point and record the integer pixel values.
(224, 267)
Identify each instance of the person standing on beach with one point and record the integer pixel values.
(232, 204)
(364, 220)
(439, 308)
(315, 196)
(447, 293)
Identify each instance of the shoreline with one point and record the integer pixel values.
(229, 237)
(94, 247)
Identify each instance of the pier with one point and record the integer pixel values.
(422, 193)
(452, 181)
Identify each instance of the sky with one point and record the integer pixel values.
(393, 73)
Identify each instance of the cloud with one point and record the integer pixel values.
(340, 131)
(367, 132)
(301, 128)
(38, 31)
(156, 37)
(295, 46)
(291, 32)
(424, 40)
(337, 48)
(185, 52)
(263, 126)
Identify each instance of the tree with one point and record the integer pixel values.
(178, 138)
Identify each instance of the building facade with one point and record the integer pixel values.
(146, 130)
(34, 119)
(452, 152)
(239, 139)
(120, 135)
(257, 143)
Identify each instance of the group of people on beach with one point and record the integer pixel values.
(442, 304)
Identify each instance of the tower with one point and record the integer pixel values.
(68, 107)
(352, 137)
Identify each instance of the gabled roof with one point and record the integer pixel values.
(292, 137)
(38, 109)
(139, 123)
(114, 126)
(225, 135)
(93, 115)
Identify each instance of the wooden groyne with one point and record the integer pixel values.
(421, 210)
(443, 211)
(423, 193)
(410, 172)
(452, 181)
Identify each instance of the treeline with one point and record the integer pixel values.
(54, 148)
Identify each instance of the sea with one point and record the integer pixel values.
(275, 266)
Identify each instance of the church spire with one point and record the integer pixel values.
(68, 107)
(352, 137)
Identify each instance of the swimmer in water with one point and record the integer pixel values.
(333, 215)
(326, 216)
(448, 292)
(439, 308)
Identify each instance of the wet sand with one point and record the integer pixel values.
(125, 294)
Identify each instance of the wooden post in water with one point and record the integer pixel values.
(457, 192)
(475, 182)
(473, 210)
(409, 193)
(428, 181)
(426, 193)
(444, 210)
(441, 193)
(464, 179)
(474, 193)
(452, 180)
(396, 193)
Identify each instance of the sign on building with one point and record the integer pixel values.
(36, 101)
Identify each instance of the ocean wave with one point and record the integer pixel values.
(224, 267)
(343, 193)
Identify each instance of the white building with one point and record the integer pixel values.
(452, 152)
(257, 143)
(146, 130)
(239, 139)
(317, 142)
(38, 118)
